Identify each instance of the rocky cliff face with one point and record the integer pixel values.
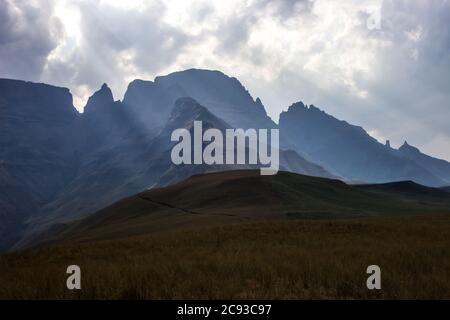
(37, 158)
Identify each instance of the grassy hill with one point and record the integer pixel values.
(243, 196)
(242, 235)
(290, 259)
(246, 196)
(410, 191)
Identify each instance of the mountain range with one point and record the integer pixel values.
(58, 165)
(351, 152)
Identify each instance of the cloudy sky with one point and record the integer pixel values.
(384, 65)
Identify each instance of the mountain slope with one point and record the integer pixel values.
(438, 167)
(347, 149)
(240, 196)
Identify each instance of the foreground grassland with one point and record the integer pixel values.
(267, 260)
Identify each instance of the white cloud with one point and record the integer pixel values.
(438, 146)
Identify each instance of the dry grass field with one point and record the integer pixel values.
(290, 259)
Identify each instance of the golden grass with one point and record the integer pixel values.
(267, 260)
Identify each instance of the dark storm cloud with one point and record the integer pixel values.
(27, 35)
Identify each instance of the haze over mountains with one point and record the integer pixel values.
(57, 165)
(351, 152)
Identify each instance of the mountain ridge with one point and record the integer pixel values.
(347, 149)
(55, 160)
(439, 167)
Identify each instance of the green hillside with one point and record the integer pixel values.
(245, 196)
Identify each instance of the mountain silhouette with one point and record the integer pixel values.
(58, 165)
(438, 167)
(348, 150)
(224, 96)
(36, 157)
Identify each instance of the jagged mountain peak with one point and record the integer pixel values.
(101, 97)
(299, 107)
(259, 102)
(439, 167)
(296, 106)
(315, 117)
(223, 95)
(388, 144)
(409, 148)
(348, 149)
(216, 83)
(313, 108)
